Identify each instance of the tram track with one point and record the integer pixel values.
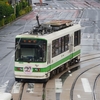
(89, 57)
(29, 91)
(72, 68)
(41, 90)
(69, 71)
(20, 97)
(95, 86)
(76, 79)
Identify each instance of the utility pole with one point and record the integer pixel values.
(14, 3)
(30, 2)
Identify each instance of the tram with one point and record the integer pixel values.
(47, 50)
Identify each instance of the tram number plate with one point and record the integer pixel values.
(27, 69)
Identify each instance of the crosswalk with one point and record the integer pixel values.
(64, 8)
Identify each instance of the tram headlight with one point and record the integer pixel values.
(19, 68)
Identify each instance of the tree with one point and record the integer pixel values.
(5, 9)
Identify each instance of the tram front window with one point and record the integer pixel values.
(31, 53)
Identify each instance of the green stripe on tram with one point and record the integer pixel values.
(50, 67)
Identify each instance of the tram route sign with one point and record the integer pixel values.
(58, 85)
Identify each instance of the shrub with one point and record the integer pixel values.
(7, 14)
(21, 12)
(5, 9)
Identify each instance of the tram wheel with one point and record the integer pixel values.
(57, 71)
(66, 65)
(77, 60)
(62, 68)
(52, 74)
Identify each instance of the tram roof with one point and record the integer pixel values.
(53, 35)
(59, 22)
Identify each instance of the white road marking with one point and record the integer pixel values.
(58, 85)
(75, 8)
(53, 8)
(13, 56)
(80, 8)
(36, 8)
(16, 87)
(49, 8)
(71, 8)
(88, 36)
(78, 96)
(45, 8)
(86, 85)
(4, 86)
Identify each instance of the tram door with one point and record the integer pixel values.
(71, 45)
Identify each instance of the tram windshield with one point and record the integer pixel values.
(31, 50)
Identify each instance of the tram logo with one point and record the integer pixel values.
(27, 69)
(36, 65)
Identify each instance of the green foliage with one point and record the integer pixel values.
(5, 10)
(24, 3)
(25, 10)
(20, 7)
(2, 22)
(17, 10)
(22, 12)
(9, 19)
(9, 13)
(4, 0)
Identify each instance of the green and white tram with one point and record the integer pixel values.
(47, 50)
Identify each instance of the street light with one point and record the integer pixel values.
(4, 16)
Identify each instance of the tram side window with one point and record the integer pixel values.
(53, 48)
(62, 42)
(44, 51)
(60, 46)
(77, 38)
(57, 46)
(66, 42)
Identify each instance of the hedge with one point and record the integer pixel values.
(7, 13)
